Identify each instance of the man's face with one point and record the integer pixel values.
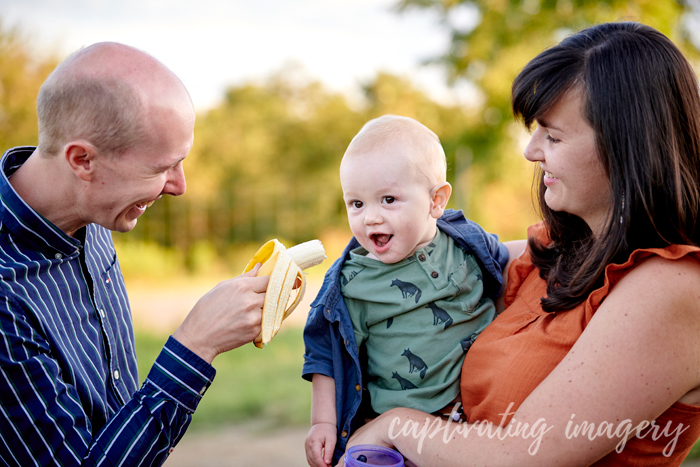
(128, 184)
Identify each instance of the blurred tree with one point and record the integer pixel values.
(21, 76)
(490, 42)
(264, 164)
(265, 161)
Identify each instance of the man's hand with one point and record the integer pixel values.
(226, 317)
(320, 444)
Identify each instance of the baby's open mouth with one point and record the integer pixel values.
(381, 240)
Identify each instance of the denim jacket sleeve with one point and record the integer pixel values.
(491, 254)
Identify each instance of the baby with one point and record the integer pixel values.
(400, 308)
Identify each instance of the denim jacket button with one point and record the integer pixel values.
(358, 387)
(344, 434)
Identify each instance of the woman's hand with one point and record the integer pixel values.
(380, 430)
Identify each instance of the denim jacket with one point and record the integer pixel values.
(329, 338)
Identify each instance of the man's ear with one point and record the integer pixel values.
(81, 159)
(439, 196)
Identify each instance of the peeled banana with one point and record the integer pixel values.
(284, 266)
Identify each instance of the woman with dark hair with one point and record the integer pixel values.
(596, 358)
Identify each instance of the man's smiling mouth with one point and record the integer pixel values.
(145, 205)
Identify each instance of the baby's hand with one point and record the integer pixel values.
(320, 443)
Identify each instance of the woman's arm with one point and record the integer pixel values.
(515, 249)
(638, 355)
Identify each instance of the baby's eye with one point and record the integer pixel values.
(389, 199)
(356, 204)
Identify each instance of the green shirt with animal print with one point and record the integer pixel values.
(416, 319)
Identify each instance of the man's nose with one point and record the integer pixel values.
(176, 184)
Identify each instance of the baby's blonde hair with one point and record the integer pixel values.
(429, 156)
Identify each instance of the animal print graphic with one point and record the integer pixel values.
(407, 289)
(415, 363)
(467, 342)
(440, 316)
(345, 281)
(405, 384)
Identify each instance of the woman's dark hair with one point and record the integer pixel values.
(640, 96)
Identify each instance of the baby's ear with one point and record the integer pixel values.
(439, 196)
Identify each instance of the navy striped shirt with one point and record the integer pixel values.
(69, 391)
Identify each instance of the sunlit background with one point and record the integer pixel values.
(280, 87)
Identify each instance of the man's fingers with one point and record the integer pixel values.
(253, 271)
(259, 284)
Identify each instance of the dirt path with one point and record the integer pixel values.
(252, 445)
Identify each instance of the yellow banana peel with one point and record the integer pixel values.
(284, 266)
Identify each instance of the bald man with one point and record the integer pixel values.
(114, 128)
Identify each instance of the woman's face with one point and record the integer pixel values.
(564, 145)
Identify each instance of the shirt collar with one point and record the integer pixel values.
(26, 224)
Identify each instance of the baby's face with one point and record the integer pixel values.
(388, 203)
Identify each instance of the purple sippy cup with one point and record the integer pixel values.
(368, 455)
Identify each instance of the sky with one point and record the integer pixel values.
(214, 44)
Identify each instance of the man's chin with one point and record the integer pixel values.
(124, 226)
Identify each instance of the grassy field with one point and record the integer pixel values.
(250, 383)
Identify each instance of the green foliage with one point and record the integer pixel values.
(21, 76)
(265, 163)
(149, 261)
(498, 37)
(250, 383)
(491, 41)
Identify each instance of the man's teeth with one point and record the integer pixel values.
(145, 205)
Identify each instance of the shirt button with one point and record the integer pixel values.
(434, 274)
(202, 391)
(344, 434)
(358, 387)
(116, 374)
(102, 312)
(58, 256)
(421, 257)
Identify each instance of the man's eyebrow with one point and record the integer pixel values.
(168, 166)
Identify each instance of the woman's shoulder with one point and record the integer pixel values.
(673, 263)
(655, 269)
(672, 274)
(659, 262)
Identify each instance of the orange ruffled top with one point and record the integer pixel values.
(525, 343)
